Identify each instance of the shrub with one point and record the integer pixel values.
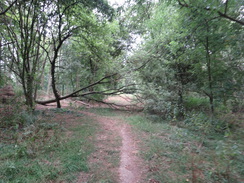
(207, 124)
(14, 117)
(196, 104)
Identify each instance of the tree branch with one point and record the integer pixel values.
(75, 92)
(8, 8)
(100, 81)
(117, 106)
(223, 15)
(183, 4)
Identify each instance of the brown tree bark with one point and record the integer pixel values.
(75, 93)
(209, 68)
(8, 8)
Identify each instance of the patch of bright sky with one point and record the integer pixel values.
(137, 38)
(116, 3)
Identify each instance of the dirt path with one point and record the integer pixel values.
(130, 164)
(130, 168)
(114, 140)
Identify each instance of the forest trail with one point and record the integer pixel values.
(130, 168)
(117, 151)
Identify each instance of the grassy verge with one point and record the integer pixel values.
(55, 148)
(103, 111)
(178, 154)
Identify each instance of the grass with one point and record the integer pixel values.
(58, 145)
(178, 154)
(46, 151)
(103, 111)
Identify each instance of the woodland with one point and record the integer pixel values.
(176, 55)
(182, 60)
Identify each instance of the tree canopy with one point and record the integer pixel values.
(167, 52)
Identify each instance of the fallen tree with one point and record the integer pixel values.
(75, 93)
(107, 92)
(86, 94)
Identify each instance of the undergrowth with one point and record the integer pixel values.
(183, 153)
(40, 149)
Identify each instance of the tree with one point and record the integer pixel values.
(220, 8)
(186, 49)
(37, 33)
(25, 26)
(7, 8)
(65, 26)
(89, 55)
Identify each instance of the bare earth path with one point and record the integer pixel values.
(130, 168)
(115, 136)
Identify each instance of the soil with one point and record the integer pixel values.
(131, 169)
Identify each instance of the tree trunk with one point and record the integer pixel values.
(93, 72)
(49, 83)
(74, 94)
(210, 82)
(77, 81)
(180, 113)
(211, 97)
(41, 78)
(55, 91)
(1, 74)
(29, 92)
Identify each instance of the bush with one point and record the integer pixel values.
(196, 104)
(15, 116)
(161, 103)
(206, 124)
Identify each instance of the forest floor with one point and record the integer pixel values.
(116, 157)
(92, 143)
(116, 151)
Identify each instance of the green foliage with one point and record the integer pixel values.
(81, 40)
(161, 104)
(44, 152)
(13, 116)
(103, 111)
(191, 60)
(88, 57)
(181, 154)
(196, 104)
(206, 124)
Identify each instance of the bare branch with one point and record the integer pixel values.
(98, 82)
(118, 106)
(8, 8)
(183, 4)
(74, 93)
(223, 15)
